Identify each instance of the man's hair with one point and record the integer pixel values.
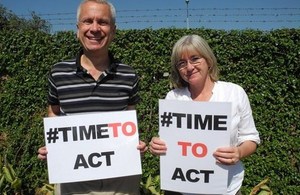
(112, 8)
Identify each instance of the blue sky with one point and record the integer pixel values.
(139, 14)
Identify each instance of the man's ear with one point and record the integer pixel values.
(77, 32)
(114, 31)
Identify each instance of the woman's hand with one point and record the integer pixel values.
(157, 146)
(231, 155)
(142, 147)
(227, 155)
(42, 153)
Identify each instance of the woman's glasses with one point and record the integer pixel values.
(194, 61)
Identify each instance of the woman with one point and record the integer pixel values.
(195, 77)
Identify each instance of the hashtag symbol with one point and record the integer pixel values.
(52, 135)
(166, 119)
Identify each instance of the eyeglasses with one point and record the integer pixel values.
(195, 61)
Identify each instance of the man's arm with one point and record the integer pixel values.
(131, 107)
(53, 110)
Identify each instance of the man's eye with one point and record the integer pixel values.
(87, 22)
(103, 23)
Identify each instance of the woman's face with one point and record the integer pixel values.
(95, 29)
(193, 68)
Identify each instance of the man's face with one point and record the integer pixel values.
(95, 28)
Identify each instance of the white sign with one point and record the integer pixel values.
(192, 132)
(92, 146)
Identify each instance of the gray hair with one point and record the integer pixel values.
(112, 8)
(192, 43)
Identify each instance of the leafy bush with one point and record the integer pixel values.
(266, 64)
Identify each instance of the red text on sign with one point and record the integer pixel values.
(127, 128)
(198, 150)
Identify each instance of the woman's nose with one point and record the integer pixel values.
(189, 65)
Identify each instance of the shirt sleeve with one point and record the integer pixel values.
(134, 95)
(246, 127)
(52, 92)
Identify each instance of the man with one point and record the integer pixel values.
(94, 82)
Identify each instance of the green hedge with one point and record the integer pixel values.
(265, 64)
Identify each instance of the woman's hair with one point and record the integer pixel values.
(192, 43)
(112, 8)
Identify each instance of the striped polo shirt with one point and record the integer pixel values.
(76, 91)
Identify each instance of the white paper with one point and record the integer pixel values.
(88, 147)
(189, 165)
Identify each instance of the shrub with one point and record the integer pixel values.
(265, 64)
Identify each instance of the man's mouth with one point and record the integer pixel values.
(95, 38)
